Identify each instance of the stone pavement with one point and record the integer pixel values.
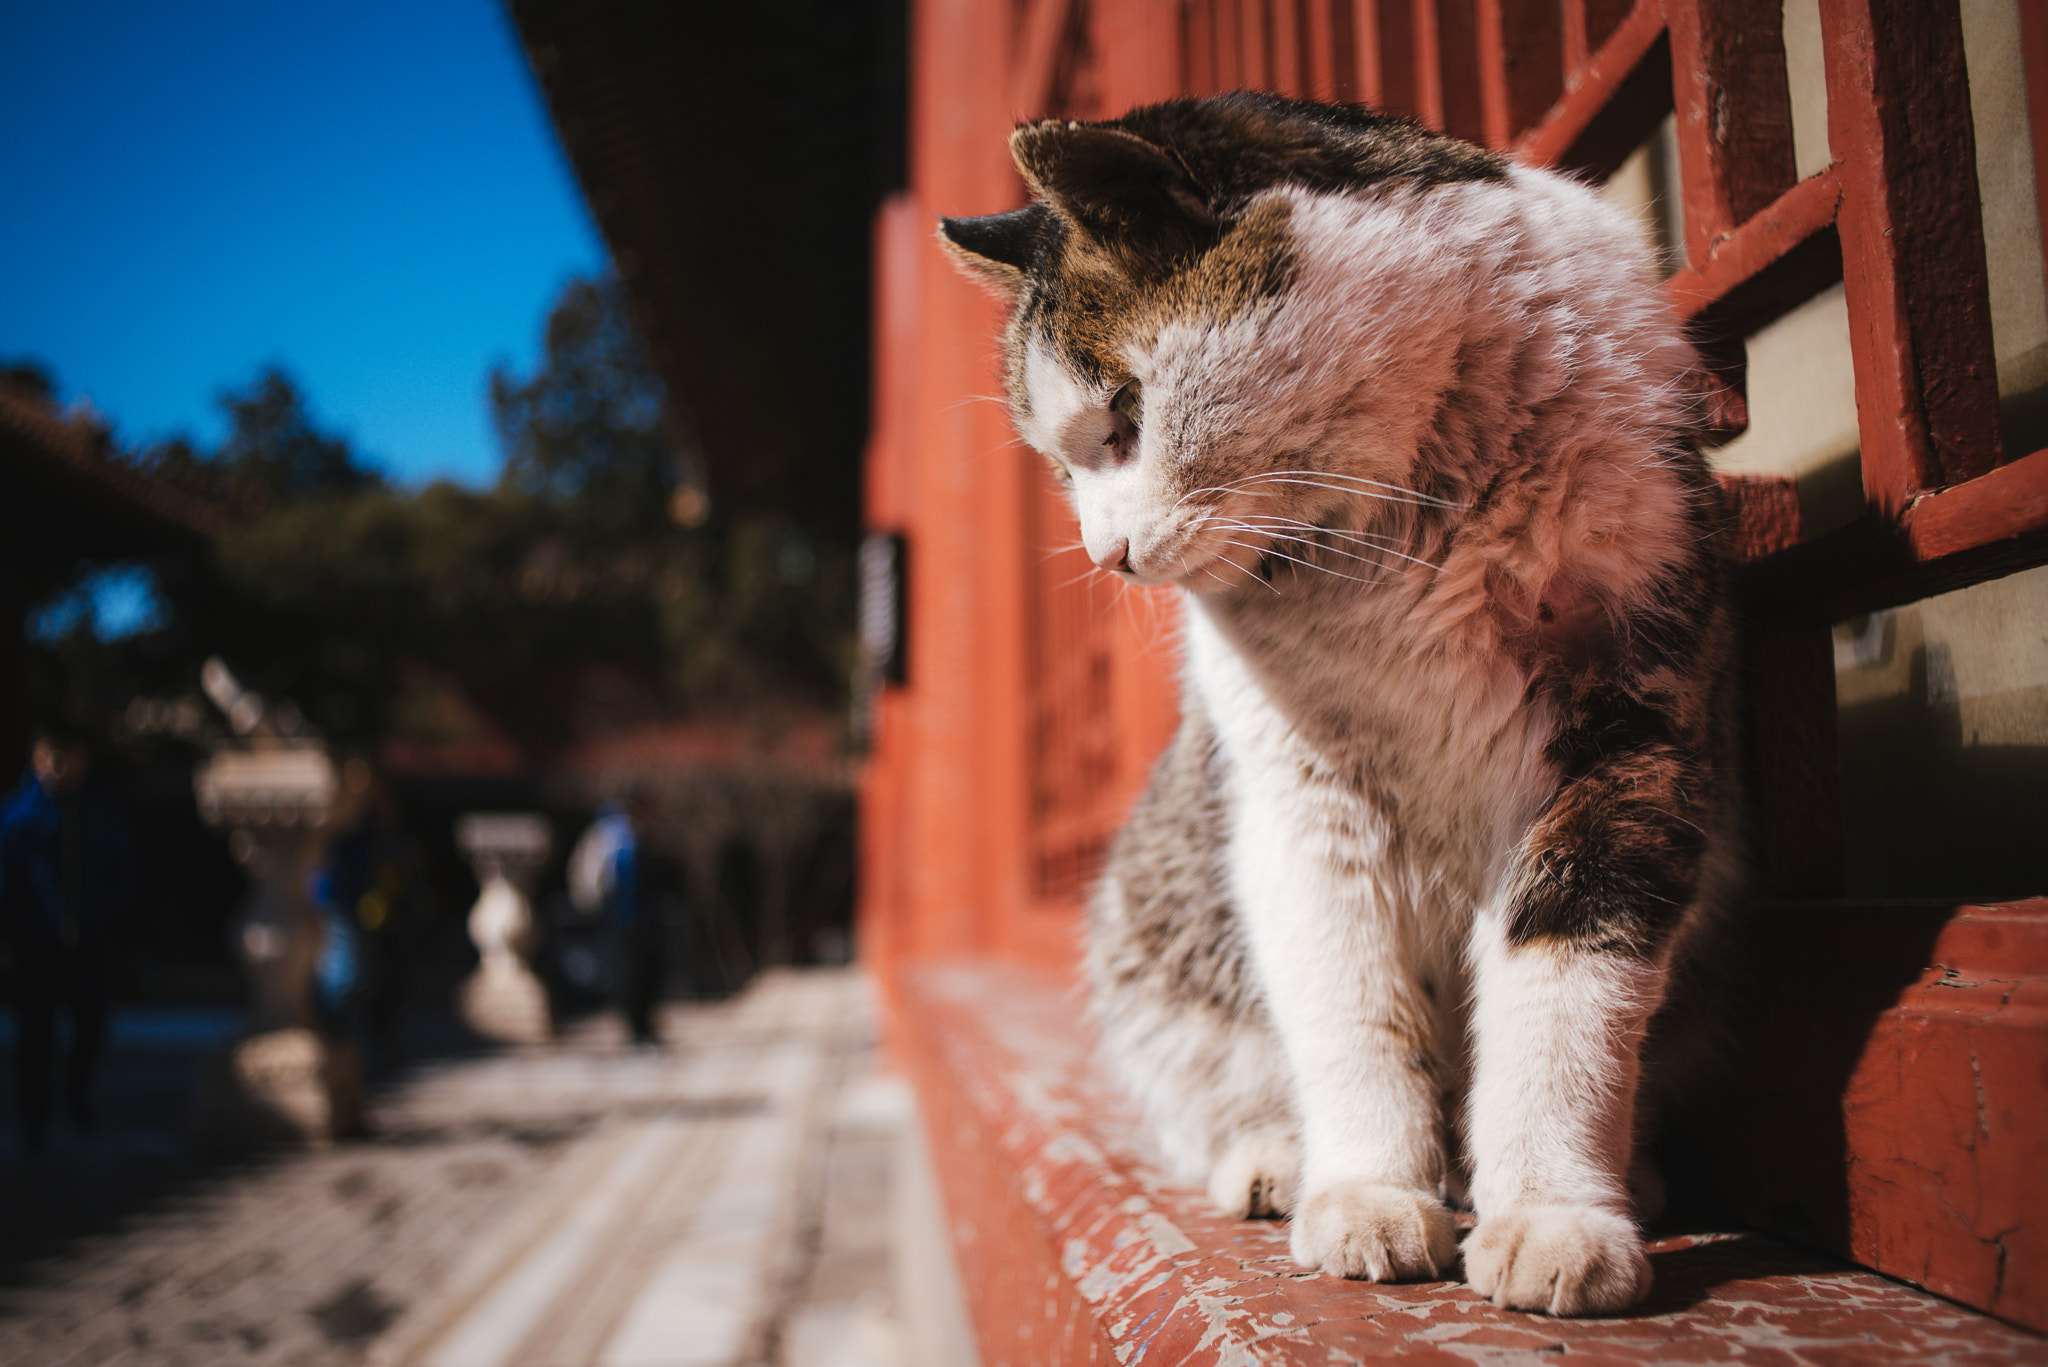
(732, 1198)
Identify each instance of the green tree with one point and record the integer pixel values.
(585, 431)
(334, 589)
(274, 453)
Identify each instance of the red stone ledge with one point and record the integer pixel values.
(1073, 1248)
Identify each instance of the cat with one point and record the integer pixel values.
(1449, 816)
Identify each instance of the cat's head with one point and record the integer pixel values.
(1173, 349)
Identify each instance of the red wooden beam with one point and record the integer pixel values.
(1198, 57)
(1073, 1248)
(1326, 48)
(1460, 70)
(1797, 788)
(1521, 65)
(1043, 27)
(1228, 44)
(1994, 525)
(1764, 514)
(1912, 243)
(1603, 17)
(1769, 265)
(1426, 32)
(1578, 48)
(1253, 45)
(2007, 504)
(2034, 59)
(1734, 113)
(1614, 102)
(1384, 47)
(1902, 1126)
(1287, 59)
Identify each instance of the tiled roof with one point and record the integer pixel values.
(61, 498)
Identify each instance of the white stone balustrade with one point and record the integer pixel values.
(503, 999)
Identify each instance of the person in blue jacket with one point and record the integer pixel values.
(607, 870)
(67, 874)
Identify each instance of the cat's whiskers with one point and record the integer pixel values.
(1063, 548)
(1354, 484)
(1357, 538)
(1296, 560)
(1309, 545)
(1223, 491)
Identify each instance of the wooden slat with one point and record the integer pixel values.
(1912, 244)
(1734, 113)
(1427, 35)
(1459, 69)
(1521, 65)
(1603, 18)
(1228, 44)
(1254, 50)
(2006, 504)
(1283, 38)
(1764, 510)
(1037, 62)
(1325, 52)
(2034, 59)
(1994, 525)
(1383, 38)
(1615, 102)
(1884, 1098)
(1578, 47)
(1073, 1248)
(1796, 786)
(1198, 50)
(1776, 261)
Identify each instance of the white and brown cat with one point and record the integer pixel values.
(1449, 808)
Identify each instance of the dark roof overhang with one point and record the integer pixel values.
(733, 156)
(62, 500)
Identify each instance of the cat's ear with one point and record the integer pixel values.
(997, 249)
(1130, 195)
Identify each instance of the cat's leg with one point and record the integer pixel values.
(1569, 971)
(1358, 1029)
(1182, 1021)
(1552, 1132)
(1254, 1178)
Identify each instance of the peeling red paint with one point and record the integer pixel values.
(1075, 1249)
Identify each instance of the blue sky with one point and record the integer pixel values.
(368, 195)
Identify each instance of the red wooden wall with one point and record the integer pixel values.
(1036, 697)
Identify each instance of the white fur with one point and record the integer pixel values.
(1383, 757)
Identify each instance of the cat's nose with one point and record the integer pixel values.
(1116, 555)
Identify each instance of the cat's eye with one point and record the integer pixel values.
(1129, 404)
(1126, 415)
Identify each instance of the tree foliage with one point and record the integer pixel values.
(585, 432)
(340, 591)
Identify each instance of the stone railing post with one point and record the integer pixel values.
(285, 1079)
(503, 1000)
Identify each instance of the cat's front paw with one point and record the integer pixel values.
(1375, 1233)
(1559, 1260)
(1255, 1176)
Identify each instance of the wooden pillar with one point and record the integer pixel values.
(1521, 65)
(1899, 126)
(1734, 113)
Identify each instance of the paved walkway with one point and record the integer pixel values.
(724, 1200)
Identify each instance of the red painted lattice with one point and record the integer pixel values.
(1036, 705)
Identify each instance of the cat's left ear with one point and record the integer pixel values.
(1130, 195)
(995, 249)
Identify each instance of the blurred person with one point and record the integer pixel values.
(67, 873)
(606, 871)
(368, 886)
